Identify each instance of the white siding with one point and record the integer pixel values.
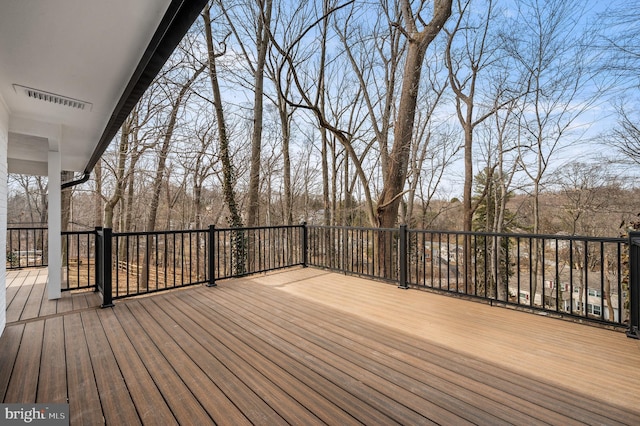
(4, 135)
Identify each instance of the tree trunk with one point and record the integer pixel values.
(66, 201)
(234, 219)
(262, 43)
(164, 150)
(99, 203)
(111, 203)
(44, 200)
(286, 162)
(395, 175)
(66, 214)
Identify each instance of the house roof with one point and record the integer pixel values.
(71, 71)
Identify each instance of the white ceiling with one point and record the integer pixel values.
(80, 49)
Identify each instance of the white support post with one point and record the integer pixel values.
(4, 142)
(55, 226)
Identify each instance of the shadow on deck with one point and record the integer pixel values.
(306, 346)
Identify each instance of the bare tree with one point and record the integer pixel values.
(176, 104)
(290, 62)
(256, 21)
(418, 40)
(618, 39)
(119, 172)
(199, 159)
(626, 137)
(428, 144)
(549, 50)
(395, 170)
(473, 57)
(234, 219)
(586, 191)
(98, 200)
(34, 189)
(285, 118)
(136, 136)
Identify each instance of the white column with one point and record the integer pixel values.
(55, 226)
(4, 141)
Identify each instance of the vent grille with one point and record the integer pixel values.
(52, 98)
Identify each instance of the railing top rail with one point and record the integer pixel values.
(635, 235)
(254, 228)
(172, 231)
(517, 235)
(352, 228)
(79, 232)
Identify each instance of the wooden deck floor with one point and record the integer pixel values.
(307, 346)
(27, 297)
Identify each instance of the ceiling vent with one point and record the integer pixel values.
(52, 98)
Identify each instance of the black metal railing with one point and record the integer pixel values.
(355, 250)
(580, 277)
(27, 247)
(238, 252)
(146, 262)
(594, 279)
(571, 276)
(79, 259)
(633, 284)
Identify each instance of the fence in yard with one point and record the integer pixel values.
(591, 279)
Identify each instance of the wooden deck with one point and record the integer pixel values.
(307, 346)
(27, 297)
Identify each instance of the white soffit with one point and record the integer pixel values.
(65, 64)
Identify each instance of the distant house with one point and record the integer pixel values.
(70, 73)
(571, 300)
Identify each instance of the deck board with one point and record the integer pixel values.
(212, 359)
(84, 401)
(328, 399)
(204, 388)
(377, 351)
(17, 302)
(52, 385)
(35, 300)
(562, 352)
(24, 383)
(9, 347)
(117, 406)
(306, 346)
(404, 406)
(27, 297)
(150, 405)
(181, 401)
(15, 280)
(448, 375)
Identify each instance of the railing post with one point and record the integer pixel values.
(107, 251)
(305, 244)
(402, 257)
(212, 257)
(634, 285)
